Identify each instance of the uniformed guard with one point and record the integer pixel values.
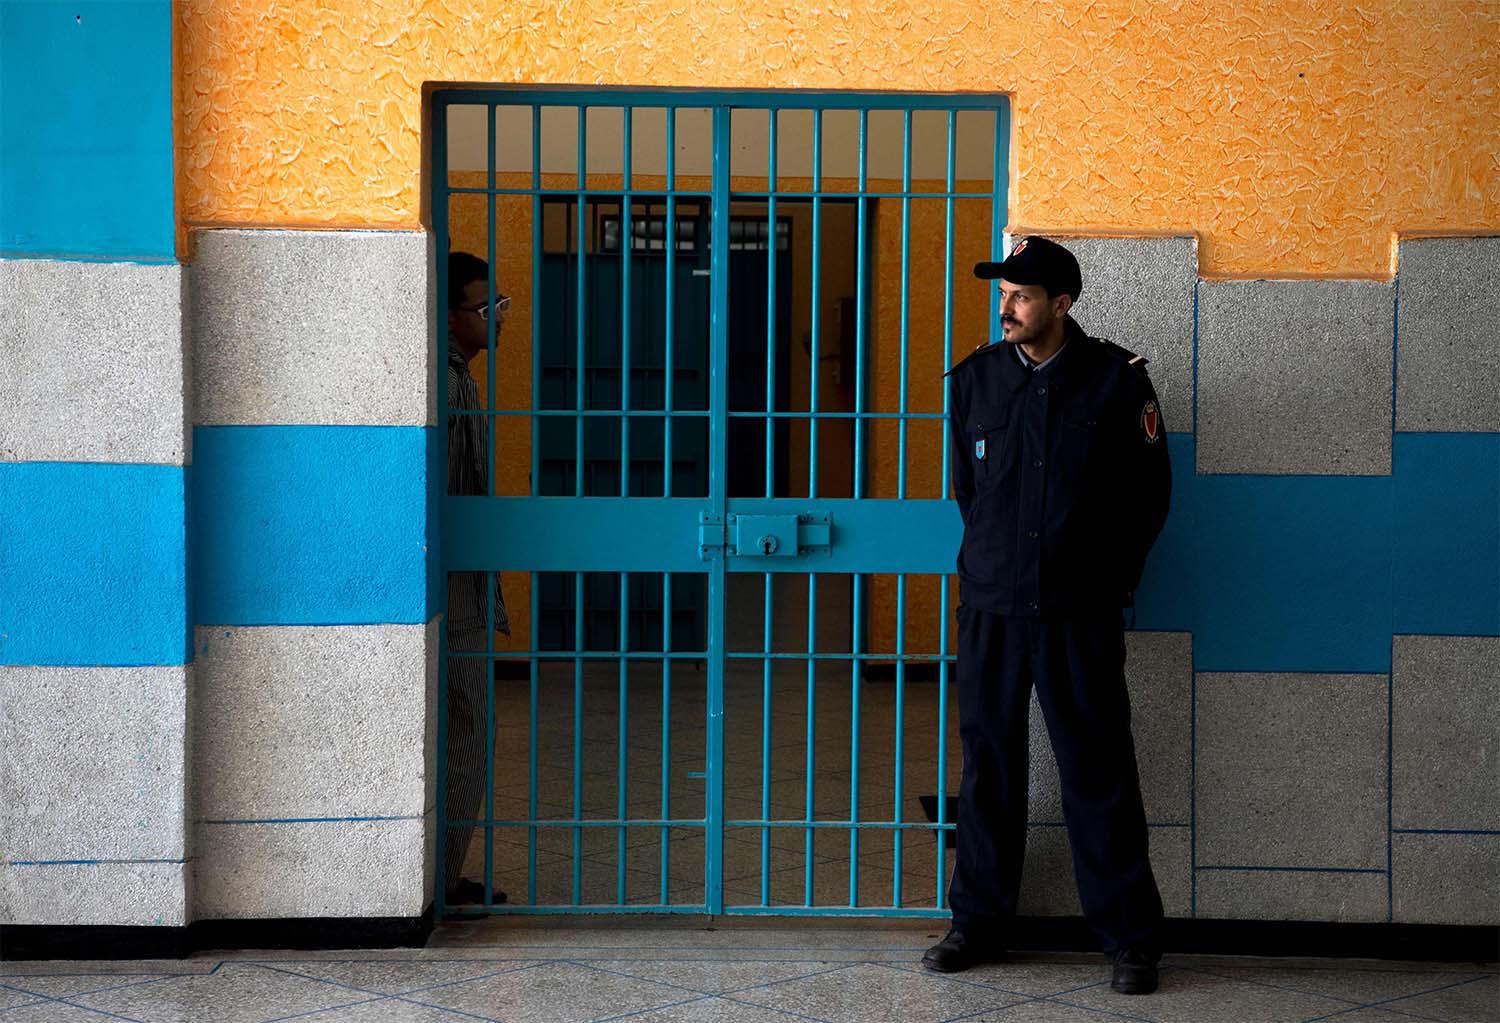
(1060, 470)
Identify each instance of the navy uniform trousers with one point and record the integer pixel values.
(1077, 665)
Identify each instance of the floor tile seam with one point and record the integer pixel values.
(1052, 1000)
(326, 1008)
(1107, 1012)
(833, 968)
(962, 1017)
(466, 980)
(49, 1000)
(1412, 1015)
(814, 949)
(63, 999)
(444, 1008)
(584, 963)
(403, 995)
(24, 1005)
(950, 979)
(91, 991)
(402, 960)
(1387, 1001)
(730, 958)
(378, 995)
(1266, 984)
(772, 1008)
(650, 1008)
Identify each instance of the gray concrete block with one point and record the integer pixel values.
(311, 721)
(1291, 770)
(92, 763)
(92, 362)
(1291, 895)
(1049, 889)
(319, 869)
(100, 894)
(1446, 735)
(1159, 673)
(1445, 879)
(315, 327)
(1138, 292)
(1448, 326)
(1295, 377)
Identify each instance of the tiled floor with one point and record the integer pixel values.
(513, 970)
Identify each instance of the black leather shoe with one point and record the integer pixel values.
(1135, 973)
(957, 952)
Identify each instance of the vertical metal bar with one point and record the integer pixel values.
(670, 242)
(622, 767)
(771, 339)
(905, 300)
(942, 732)
(439, 382)
(998, 216)
(897, 795)
(950, 183)
(817, 307)
(765, 742)
(533, 714)
(718, 493)
(860, 273)
(581, 306)
(626, 243)
(812, 719)
(490, 421)
(578, 643)
(666, 733)
(854, 725)
(489, 738)
(538, 256)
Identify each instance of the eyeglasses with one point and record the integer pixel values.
(500, 304)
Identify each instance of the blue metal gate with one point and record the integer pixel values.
(699, 505)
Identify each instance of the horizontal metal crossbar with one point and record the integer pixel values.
(656, 534)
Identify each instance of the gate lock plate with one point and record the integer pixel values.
(778, 536)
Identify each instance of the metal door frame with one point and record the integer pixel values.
(682, 534)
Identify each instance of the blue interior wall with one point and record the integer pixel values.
(91, 564)
(86, 158)
(309, 525)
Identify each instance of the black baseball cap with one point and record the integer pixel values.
(1037, 260)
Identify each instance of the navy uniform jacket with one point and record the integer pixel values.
(1061, 474)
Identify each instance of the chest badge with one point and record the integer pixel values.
(979, 450)
(1151, 422)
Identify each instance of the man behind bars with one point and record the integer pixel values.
(1060, 470)
(469, 311)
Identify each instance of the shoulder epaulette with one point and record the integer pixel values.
(983, 348)
(1123, 354)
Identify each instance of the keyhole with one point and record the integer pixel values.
(768, 545)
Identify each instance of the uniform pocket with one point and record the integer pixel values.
(986, 438)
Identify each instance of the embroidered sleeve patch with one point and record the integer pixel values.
(1151, 422)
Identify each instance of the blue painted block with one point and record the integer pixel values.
(437, 479)
(1294, 573)
(92, 564)
(1447, 537)
(86, 129)
(1168, 588)
(309, 525)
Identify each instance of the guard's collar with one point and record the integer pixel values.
(1016, 374)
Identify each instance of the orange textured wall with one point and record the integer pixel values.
(1295, 136)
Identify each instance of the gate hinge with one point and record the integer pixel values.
(710, 536)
